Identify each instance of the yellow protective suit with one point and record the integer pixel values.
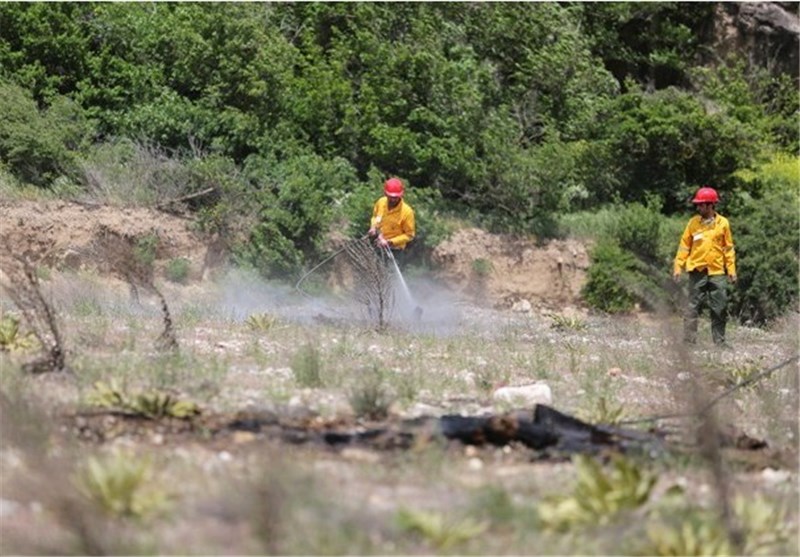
(707, 247)
(397, 225)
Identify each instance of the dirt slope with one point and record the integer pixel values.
(62, 235)
(519, 271)
(491, 270)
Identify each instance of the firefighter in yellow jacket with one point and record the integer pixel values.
(392, 224)
(706, 252)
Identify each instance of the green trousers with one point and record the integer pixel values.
(711, 291)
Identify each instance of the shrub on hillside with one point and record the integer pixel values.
(39, 146)
(608, 281)
(177, 270)
(630, 254)
(638, 229)
(294, 201)
(617, 280)
(766, 232)
(663, 144)
(125, 172)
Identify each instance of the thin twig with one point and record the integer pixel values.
(715, 400)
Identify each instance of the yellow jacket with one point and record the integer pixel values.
(396, 225)
(707, 246)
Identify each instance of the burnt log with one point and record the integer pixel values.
(545, 428)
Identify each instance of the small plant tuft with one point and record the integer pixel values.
(567, 323)
(693, 535)
(604, 412)
(261, 322)
(152, 405)
(122, 485)
(307, 366)
(370, 397)
(436, 530)
(742, 372)
(598, 495)
(482, 267)
(177, 270)
(11, 338)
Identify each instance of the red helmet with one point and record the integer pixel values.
(706, 195)
(393, 187)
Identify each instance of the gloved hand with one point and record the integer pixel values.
(372, 232)
(383, 242)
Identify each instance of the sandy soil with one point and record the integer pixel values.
(520, 272)
(63, 235)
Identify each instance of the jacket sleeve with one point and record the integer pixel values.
(375, 221)
(684, 248)
(729, 252)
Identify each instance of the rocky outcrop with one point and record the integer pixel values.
(769, 32)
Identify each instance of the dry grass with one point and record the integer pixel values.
(247, 493)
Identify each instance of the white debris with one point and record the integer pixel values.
(522, 306)
(525, 396)
(475, 463)
(8, 507)
(772, 476)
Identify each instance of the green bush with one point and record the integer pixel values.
(306, 366)
(637, 229)
(177, 270)
(294, 199)
(39, 146)
(630, 256)
(370, 398)
(609, 277)
(664, 144)
(766, 233)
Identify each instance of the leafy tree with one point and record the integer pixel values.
(654, 43)
(38, 146)
(769, 104)
(664, 144)
(549, 77)
(43, 47)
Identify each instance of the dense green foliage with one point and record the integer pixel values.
(292, 115)
(628, 260)
(611, 278)
(766, 226)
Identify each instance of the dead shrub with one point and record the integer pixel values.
(20, 281)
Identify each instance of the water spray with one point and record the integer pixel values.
(406, 290)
